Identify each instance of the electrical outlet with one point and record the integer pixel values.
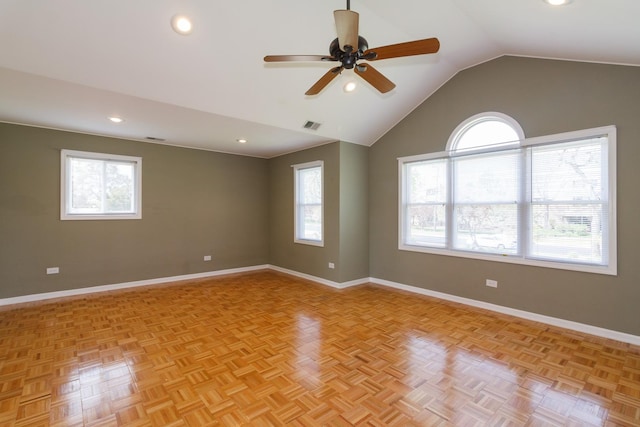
(207, 257)
(53, 270)
(492, 283)
(332, 265)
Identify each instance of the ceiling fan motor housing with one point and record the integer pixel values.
(348, 59)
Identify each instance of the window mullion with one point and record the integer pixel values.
(103, 194)
(449, 210)
(524, 227)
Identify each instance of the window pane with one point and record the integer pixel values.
(487, 228)
(569, 232)
(569, 214)
(487, 178)
(426, 197)
(86, 185)
(310, 185)
(427, 182)
(571, 171)
(486, 192)
(486, 133)
(425, 225)
(311, 222)
(119, 193)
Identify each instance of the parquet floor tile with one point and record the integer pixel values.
(267, 349)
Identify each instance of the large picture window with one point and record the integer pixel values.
(100, 186)
(308, 228)
(546, 201)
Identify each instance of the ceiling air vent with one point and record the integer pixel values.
(311, 125)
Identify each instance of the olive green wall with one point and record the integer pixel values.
(545, 97)
(345, 214)
(353, 263)
(194, 203)
(283, 252)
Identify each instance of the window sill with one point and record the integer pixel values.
(98, 217)
(309, 242)
(610, 270)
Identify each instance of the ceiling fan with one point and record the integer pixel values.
(350, 47)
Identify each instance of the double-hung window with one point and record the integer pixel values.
(100, 186)
(546, 201)
(572, 212)
(308, 203)
(485, 195)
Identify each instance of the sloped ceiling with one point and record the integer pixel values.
(69, 64)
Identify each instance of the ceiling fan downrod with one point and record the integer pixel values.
(348, 4)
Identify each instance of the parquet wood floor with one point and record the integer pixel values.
(267, 349)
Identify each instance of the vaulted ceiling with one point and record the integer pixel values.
(71, 64)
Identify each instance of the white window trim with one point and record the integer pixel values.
(64, 189)
(296, 168)
(610, 269)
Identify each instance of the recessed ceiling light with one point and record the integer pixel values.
(349, 87)
(557, 2)
(116, 119)
(242, 141)
(181, 25)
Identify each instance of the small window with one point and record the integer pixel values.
(309, 228)
(100, 186)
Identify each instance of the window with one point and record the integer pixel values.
(100, 186)
(485, 198)
(547, 201)
(308, 203)
(485, 130)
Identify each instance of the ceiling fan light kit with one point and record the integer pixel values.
(349, 48)
(349, 86)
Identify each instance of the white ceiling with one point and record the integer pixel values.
(69, 64)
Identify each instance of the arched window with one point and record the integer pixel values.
(493, 194)
(486, 175)
(485, 131)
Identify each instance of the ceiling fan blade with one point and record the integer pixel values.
(347, 28)
(285, 58)
(417, 47)
(324, 81)
(374, 77)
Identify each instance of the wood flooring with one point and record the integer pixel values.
(268, 349)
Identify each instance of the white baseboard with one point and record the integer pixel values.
(320, 280)
(103, 288)
(553, 321)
